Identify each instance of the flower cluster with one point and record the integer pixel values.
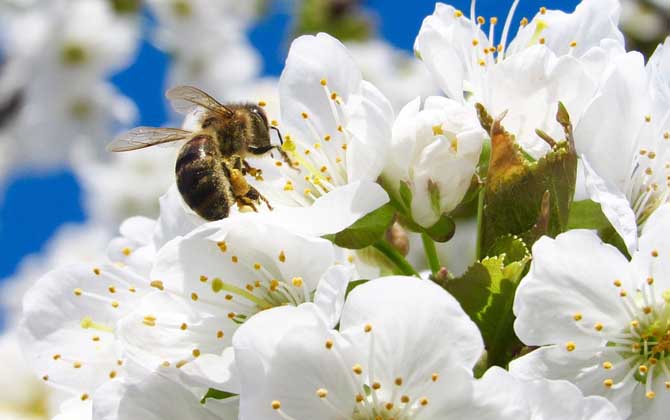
(550, 138)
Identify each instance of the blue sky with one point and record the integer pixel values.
(35, 205)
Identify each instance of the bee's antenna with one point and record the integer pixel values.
(281, 140)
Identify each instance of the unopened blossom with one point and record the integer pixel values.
(435, 150)
(540, 399)
(630, 115)
(218, 277)
(554, 57)
(336, 129)
(382, 363)
(601, 321)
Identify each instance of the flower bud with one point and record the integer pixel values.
(434, 151)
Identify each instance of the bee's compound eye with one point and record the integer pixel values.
(260, 112)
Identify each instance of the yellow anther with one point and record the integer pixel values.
(274, 123)
(666, 135)
(203, 279)
(635, 323)
(542, 41)
(96, 271)
(650, 281)
(608, 383)
(359, 398)
(458, 13)
(304, 115)
(276, 405)
(326, 137)
(333, 96)
(56, 356)
(367, 328)
(111, 289)
(475, 42)
(157, 284)
(607, 365)
(78, 291)
(149, 320)
(180, 364)
(376, 385)
(357, 369)
(183, 326)
(340, 128)
(194, 296)
(329, 344)
(222, 246)
(234, 258)
(643, 369)
(84, 397)
(543, 10)
(274, 284)
(323, 169)
(524, 22)
(646, 310)
(95, 338)
(389, 406)
(398, 381)
(423, 401)
(114, 304)
(617, 283)
(297, 281)
(654, 253)
(132, 289)
(257, 266)
(577, 316)
(219, 334)
(322, 393)
(434, 377)
(228, 297)
(481, 20)
(573, 44)
(282, 256)
(647, 118)
(482, 63)
(404, 399)
(307, 192)
(262, 103)
(493, 20)
(650, 395)
(196, 353)
(570, 346)
(45, 377)
(76, 365)
(324, 82)
(598, 326)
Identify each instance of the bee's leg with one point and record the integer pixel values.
(248, 169)
(254, 195)
(239, 183)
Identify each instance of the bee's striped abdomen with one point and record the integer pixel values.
(201, 179)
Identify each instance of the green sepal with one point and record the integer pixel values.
(216, 395)
(365, 231)
(587, 214)
(518, 189)
(354, 284)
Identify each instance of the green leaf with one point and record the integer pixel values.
(345, 21)
(216, 394)
(486, 293)
(512, 246)
(518, 190)
(365, 231)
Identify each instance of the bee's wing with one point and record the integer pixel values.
(185, 99)
(141, 137)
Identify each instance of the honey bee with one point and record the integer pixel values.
(211, 166)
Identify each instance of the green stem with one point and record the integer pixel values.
(395, 257)
(431, 253)
(480, 222)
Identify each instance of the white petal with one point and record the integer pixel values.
(410, 318)
(571, 275)
(445, 46)
(329, 297)
(652, 257)
(590, 23)
(176, 219)
(614, 204)
(212, 371)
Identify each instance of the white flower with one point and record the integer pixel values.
(403, 350)
(602, 321)
(556, 57)
(435, 151)
(336, 129)
(69, 322)
(220, 276)
(629, 115)
(539, 399)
